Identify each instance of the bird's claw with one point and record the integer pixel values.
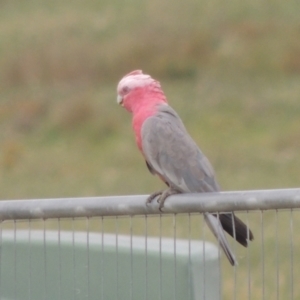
(153, 196)
(163, 195)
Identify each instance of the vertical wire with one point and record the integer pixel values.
(59, 259)
(292, 253)
(102, 259)
(160, 257)
(1, 251)
(277, 255)
(74, 260)
(29, 260)
(131, 261)
(15, 260)
(146, 254)
(189, 258)
(234, 251)
(248, 258)
(204, 256)
(117, 255)
(262, 255)
(45, 257)
(1, 248)
(219, 262)
(175, 264)
(87, 220)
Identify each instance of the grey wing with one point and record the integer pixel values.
(171, 152)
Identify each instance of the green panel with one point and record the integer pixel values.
(77, 266)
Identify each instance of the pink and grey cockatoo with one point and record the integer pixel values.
(172, 154)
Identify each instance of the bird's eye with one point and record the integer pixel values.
(125, 90)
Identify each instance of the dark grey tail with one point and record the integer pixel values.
(236, 228)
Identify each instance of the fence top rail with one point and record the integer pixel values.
(136, 204)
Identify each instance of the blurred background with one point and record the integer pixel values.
(230, 69)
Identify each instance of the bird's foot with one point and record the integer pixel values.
(163, 195)
(153, 196)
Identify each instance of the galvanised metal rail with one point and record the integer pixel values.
(136, 205)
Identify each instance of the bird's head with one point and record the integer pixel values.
(137, 89)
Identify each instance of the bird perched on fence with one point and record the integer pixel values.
(172, 154)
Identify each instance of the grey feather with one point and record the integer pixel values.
(171, 153)
(216, 228)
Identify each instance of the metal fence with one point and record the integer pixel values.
(121, 248)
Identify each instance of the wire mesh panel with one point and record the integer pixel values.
(149, 256)
(108, 258)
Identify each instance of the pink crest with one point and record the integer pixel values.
(135, 72)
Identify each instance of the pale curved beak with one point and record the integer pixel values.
(120, 100)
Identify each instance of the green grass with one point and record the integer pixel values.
(231, 70)
(77, 141)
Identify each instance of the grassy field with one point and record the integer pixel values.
(231, 70)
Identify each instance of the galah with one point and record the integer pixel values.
(172, 154)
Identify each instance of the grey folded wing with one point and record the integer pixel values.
(171, 152)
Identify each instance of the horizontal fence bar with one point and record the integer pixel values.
(136, 204)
